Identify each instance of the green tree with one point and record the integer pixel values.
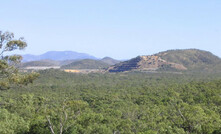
(9, 74)
(12, 123)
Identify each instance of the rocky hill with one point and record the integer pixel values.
(172, 60)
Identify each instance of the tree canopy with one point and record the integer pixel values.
(9, 74)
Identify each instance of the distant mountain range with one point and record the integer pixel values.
(172, 60)
(57, 56)
(66, 60)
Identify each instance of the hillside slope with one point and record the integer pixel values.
(171, 60)
(110, 61)
(86, 64)
(47, 63)
(193, 59)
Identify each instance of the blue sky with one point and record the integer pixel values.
(121, 29)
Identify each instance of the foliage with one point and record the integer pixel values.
(12, 123)
(9, 75)
(121, 103)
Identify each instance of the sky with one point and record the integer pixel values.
(121, 29)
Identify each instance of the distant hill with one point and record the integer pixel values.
(171, 60)
(58, 56)
(66, 62)
(110, 61)
(86, 64)
(193, 59)
(89, 63)
(40, 63)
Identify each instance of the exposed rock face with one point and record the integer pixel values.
(145, 63)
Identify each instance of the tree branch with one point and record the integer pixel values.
(50, 125)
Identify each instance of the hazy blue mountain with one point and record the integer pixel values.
(58, 55)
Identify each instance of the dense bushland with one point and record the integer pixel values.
(122, 103)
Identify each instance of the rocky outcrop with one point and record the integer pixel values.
(145, 63)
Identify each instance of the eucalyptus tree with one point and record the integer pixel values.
(9, 74)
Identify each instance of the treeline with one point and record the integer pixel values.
(122, 103)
